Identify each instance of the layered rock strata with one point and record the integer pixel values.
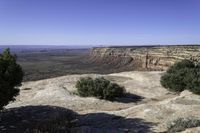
(145, 58)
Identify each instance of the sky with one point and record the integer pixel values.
(99, 22)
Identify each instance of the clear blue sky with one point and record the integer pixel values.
(116, 22)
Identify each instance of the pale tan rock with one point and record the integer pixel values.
(192, 130)
(157, 106)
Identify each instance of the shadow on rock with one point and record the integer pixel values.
(129, 98)
(109, 123)
(31, 119)
(52, 119)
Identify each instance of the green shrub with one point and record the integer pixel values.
(85, 86)
(113, 90)
(99, 87)
(181, 76)
(181, 124)
(11, 76)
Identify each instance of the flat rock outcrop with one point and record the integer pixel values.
(148, 107)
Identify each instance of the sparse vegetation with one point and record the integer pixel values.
(11, 76)
(181, 124)
(181, 76)
(99, 87)
(39, 65)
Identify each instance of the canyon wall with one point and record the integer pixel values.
(144, 57)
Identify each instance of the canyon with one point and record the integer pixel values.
(147, 107)
(144, 57)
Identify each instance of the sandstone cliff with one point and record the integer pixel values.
(144, 58)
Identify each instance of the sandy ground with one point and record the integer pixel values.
(150, 113)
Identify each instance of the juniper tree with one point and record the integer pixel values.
(11, 75)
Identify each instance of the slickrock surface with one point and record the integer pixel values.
(147, 108)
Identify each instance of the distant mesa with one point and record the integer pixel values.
(144, 57)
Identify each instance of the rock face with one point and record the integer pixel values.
(151, 113)
(145, 58)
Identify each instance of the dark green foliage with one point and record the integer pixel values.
(11, 76)
(113, 90)
(181, 124)
(99, 87)
(85, 86)
(181, 76)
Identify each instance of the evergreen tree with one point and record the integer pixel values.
(11, 76)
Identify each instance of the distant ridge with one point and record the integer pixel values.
(150, 46)
(22, 48)
(140, 46)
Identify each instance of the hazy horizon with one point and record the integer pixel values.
(96, 45)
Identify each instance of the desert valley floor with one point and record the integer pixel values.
(147, 107)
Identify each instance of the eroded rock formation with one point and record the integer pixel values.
(145, 58)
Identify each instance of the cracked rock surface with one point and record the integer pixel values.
(149, 113)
